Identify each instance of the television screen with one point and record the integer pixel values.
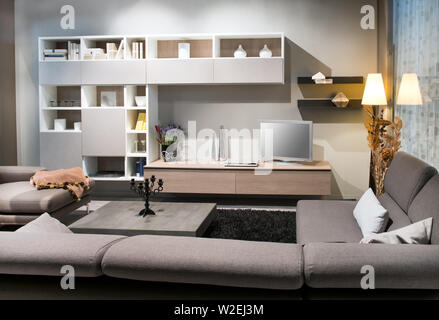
(291, 140)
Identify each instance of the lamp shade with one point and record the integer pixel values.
(409, 92)
(374, 93)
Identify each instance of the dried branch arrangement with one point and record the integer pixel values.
(384, 139)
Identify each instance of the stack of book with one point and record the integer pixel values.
(55, 54)
(141, 121)
(73, 51)
(137, 50)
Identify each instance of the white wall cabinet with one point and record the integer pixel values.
(60, 73)
(103, 132)
(70, 89)
(60, 150)
(113, 72)
(175, 71)
(249, 70)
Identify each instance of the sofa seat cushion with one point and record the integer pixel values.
(335, 265)
(44, 254)
(22, 198)
(397, 217)
(206, 261)
(326, 221)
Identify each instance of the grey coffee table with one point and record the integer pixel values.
(172, 218)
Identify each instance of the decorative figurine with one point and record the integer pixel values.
(145, 190)
(240, 52)
(265, 52)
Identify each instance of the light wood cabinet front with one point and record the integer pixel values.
(284, 183)
(188, 181)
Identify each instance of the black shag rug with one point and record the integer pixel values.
(253, 225)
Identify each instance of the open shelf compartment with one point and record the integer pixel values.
(166, 47)
(60, 43)
(225, 45)
(134, 168)
(93, 96)
(59, 97)
(131, 92)
(104, 168)
(48, 119)
(101, 43)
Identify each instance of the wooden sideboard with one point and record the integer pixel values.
(214, 178)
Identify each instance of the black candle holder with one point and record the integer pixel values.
(146, 190)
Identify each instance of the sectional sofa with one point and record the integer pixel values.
(327, 256)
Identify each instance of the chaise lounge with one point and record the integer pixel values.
(21, 203)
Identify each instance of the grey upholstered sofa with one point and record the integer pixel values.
(333, 257)
(21, 203)
(328, 254)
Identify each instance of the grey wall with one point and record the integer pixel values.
(8, 138)
(322, 36)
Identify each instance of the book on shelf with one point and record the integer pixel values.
(55, 58)
(141, 121)
(73, 50)
(140, 167)
(55, 54)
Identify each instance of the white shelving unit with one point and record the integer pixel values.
(71, 89)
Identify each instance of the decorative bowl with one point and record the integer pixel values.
(140, 101)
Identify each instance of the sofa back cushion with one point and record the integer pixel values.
(397, 217)
(426, 205)
(406, 177)
(43, 254)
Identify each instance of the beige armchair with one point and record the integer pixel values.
(21, 203)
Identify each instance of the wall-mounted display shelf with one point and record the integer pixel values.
(326, 103)
(210, 60)
(98, 86)
(336, 80)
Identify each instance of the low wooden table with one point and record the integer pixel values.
(172, 218)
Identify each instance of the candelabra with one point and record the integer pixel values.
(146, 190)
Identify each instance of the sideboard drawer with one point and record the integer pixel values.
(284, 183)
(188, 181)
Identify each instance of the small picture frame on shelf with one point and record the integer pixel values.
(108, 98)
(184, 50)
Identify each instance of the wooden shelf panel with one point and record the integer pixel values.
(337, 80)
(326, 103)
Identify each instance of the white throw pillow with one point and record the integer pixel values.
(45, 224)
(417, 233)
(371, 216)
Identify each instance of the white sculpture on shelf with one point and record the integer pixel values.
(320, 78)
(240, 52)
(265, 52)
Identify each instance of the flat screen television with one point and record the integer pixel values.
(292, 140)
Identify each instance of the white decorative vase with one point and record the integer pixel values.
(265, 52)
(240, 52)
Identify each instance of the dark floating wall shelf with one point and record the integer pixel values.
(326, 103)
(337, 80)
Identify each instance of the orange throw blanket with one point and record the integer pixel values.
(73, 180)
